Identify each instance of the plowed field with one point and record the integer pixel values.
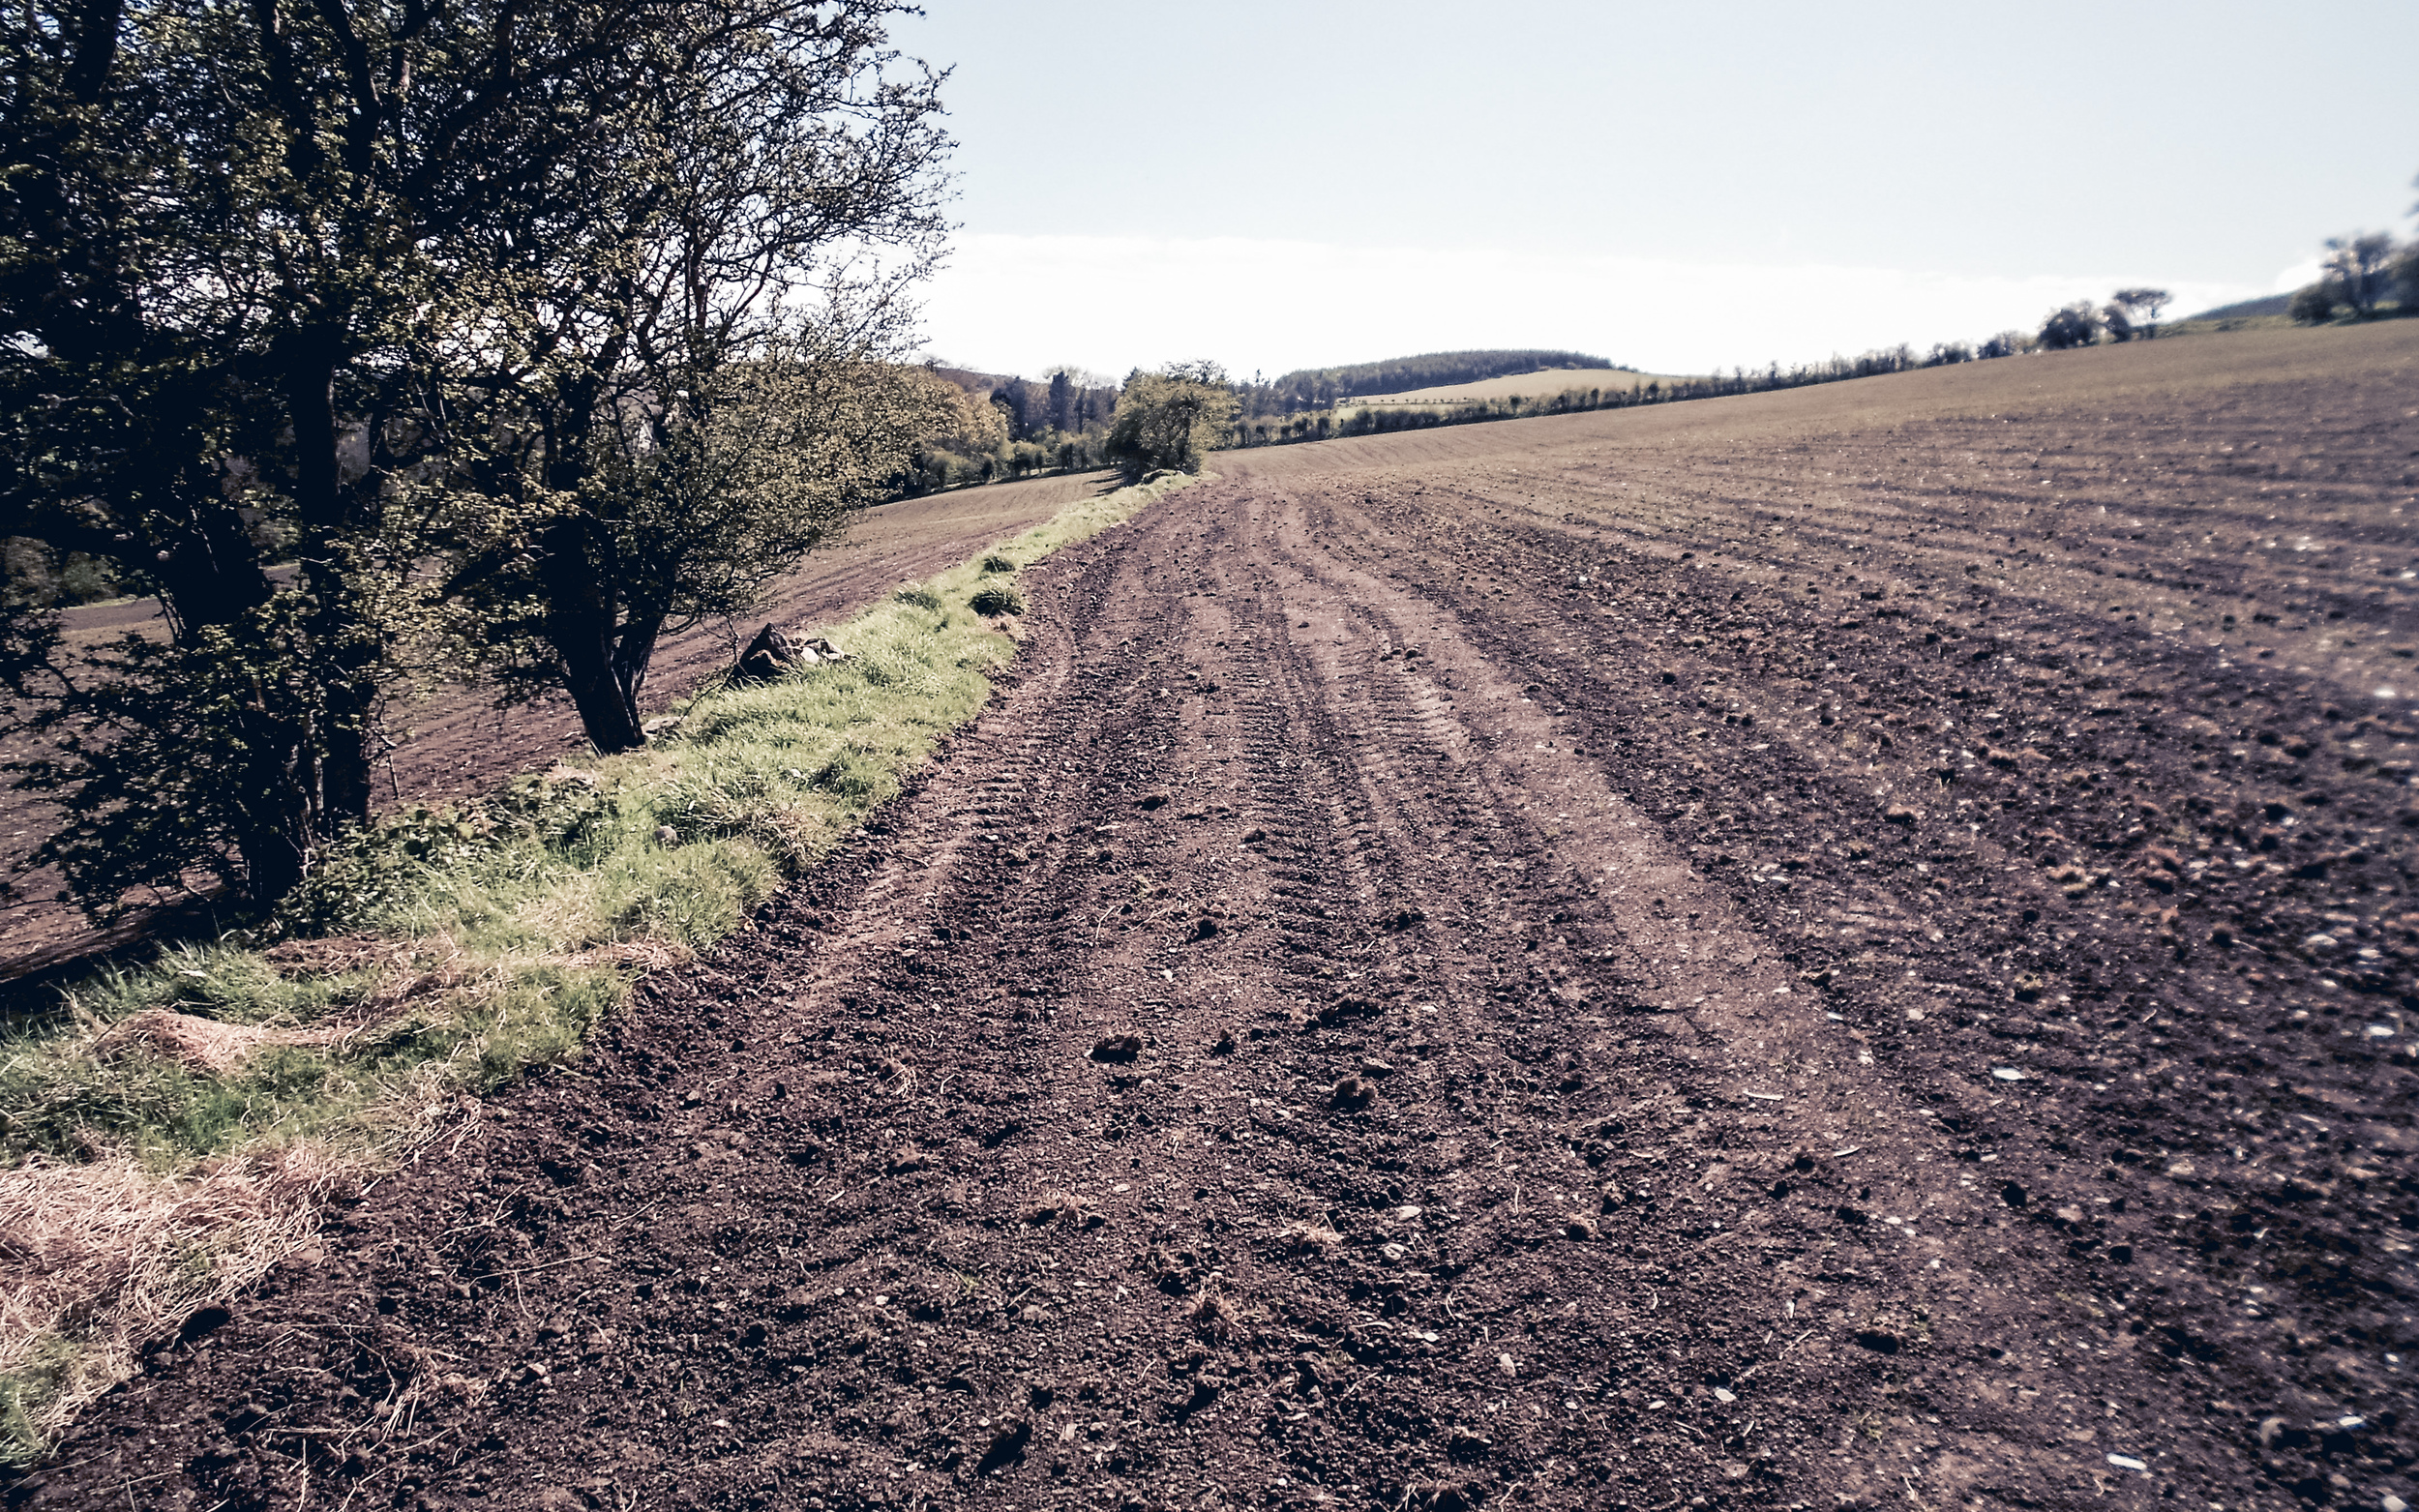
(1844, 948)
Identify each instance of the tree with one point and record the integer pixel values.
(2141, 306)
(2314, 304)
(2356, 265)
(1060, 410)
(769, 160)
(966, 430)
(361, 283)
(688, 510)
(2075, 325)
(1171, 419)
(221, 249)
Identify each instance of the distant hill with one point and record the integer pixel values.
(1531, 384)
(1308, 386)
(2245, 308)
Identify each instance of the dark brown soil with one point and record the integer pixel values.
(1655, 986)
(460, 742)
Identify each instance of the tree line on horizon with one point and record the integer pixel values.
(2365, 274)
(1344, 421)
(1318, 388)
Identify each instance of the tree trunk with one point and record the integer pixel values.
(606, 714)
(575, 563)
(274, 852)
(275, 807)
(328, 514)
(633, 649)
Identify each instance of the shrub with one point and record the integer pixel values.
(2312, 304)
(2076, 325)
(998, 564)
(997, 597)
(2357, 269)
(920, 597)
(1172, 419)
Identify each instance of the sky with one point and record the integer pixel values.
(1678, 189)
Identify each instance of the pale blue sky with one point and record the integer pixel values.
(1674, 185)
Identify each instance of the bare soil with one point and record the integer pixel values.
(460, 742)
(1776, 953)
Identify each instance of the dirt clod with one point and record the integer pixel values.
(1008, 1441)
(1304, 1236)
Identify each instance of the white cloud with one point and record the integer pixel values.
(2302, 272)
(1017, 303)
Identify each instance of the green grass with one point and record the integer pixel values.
(450, 950)
(997, 597)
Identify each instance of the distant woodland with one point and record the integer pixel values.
(1341, 420)
(1011, 427)
(1317, 387)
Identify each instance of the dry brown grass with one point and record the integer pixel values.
(339, 956)
(212, 1046)
(197, 1044)
(100, 1259)
(104, 1256)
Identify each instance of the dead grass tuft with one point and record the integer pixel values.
(101, 1258)
(1309, 1237)
(339, 956)
(201, 1045)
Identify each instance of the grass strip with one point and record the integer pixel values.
(174, 1129)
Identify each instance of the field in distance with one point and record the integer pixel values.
(1527, 385)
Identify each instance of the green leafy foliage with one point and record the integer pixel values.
(2073, 325)
(1171, 419)
(562, 816)
(577, 336)
(2314, 304)
(186, 765)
